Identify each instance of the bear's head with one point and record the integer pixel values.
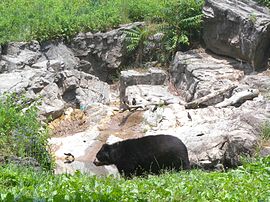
(103, 156)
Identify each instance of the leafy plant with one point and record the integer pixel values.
(51, 19)
(252, 17)
(181, 25)
(21, 133)
(247, 183)
(137, 39)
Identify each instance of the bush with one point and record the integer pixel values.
(264, 3)
(178, 20)
(21, 133)
(181, 25)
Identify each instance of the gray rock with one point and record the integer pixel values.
(59, 51)
(82, 88)
(52, 105)
(131, 77)
(3, 66)
(260, 81)
(239, 29)
(196, 73)
(211, 134)
(19, 55)
(151, 95)
(52, 65)
(16, 81)
(265, 151)
(101, 53)
(15, 48)
(57, 89)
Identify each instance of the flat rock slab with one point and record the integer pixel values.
(197, 73)
(239, 29)
(153, 76)
(150, 94)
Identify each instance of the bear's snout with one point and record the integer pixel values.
(97, 162)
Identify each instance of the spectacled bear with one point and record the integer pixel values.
(149, 154)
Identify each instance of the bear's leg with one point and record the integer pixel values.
(126, 170)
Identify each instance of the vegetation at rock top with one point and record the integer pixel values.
(249, 182)
(50, 19)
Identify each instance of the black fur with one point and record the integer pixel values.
(149, 154)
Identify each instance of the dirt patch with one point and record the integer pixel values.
(124, 125)
(72, 121)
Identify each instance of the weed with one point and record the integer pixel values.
(253, 17)
(265, 131)
(21, 133)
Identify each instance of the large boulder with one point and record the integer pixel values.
(57, 50)
(152, 77)
(57, 89)
(101, 53)
(151, 95)
(26, 55)
(239, 29)
(197, 73)
(212, 135)
(19, 55)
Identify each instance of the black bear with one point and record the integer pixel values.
(149, 154)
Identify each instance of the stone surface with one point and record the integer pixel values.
(84, 145)
(57, 50)
(150, 95)
(211, 134)
(196, 73)
(98, 53)
(239, 29)
(101, 53)
(57, 89)
(20, 55)
(131, 77)
(260, 81)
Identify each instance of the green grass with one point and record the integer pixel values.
(50, 19)
(248, 183)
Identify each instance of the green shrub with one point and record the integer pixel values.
(181, 25)
(21, 133)
(179, 21)
(137, 40)
(264, 2)
(142, 10)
